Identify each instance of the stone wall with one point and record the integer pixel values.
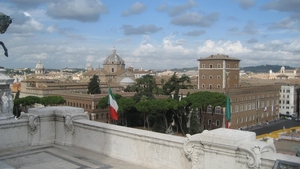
(69, 126)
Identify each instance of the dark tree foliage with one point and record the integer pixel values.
(17, 95)
(94, 85)
(201, 100)
(52, 100)
(194, 124)
(175, 83)
(130, 88)
(145, 87)
(17, 108)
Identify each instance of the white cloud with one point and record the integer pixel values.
(222, 47)
(172, 46)
(259, 46)
(145, 48)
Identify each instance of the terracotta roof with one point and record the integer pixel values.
(218, 57)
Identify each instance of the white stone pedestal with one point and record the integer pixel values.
(6, 98)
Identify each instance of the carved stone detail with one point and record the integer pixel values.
(32, 123)
(253, 157)
(193, 152)
(69, 124)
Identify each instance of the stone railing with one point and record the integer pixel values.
(220, 148)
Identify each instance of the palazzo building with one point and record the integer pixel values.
(218, 72)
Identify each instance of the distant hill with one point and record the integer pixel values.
(264, 68)
(184, 69)
(254, 69)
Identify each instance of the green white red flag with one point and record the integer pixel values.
(228, 112)
(113, 106)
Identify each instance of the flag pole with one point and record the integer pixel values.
(108, 101)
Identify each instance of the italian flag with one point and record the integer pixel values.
(228, 112)
(113, 106)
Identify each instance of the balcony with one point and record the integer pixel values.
(65, 137)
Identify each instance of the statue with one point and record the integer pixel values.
(4, 23)
(298, 151)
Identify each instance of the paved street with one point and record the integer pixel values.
(273, 126)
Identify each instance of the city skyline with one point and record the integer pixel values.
(150, 35)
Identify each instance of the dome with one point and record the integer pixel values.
(127, 81)
(39, 65)
(114, 58)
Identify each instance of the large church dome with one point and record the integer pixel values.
(39, 65)
(39, 68)
(114, 58)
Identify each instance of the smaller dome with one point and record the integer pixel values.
(114, 58)
(127, 81)
(39, 65)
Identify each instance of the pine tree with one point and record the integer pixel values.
(94, 86)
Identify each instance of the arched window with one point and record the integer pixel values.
(217, 123)
(218, 109)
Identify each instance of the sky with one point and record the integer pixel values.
(160, 34)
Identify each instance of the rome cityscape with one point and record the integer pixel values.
(179, 75)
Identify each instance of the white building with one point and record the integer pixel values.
(288, 99)
(285, 74)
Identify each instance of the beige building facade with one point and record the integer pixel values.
(218, 72)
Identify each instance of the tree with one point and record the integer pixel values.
(146, 86)
(174, 84)
(199, 101)
(94, 86)
(17, 95)
(27, 102)
(144, 107)
(16, 108)
(52, 100)
(125, 106)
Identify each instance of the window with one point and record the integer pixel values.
(236, 108)
(249, 106)
(209, 109)
(245, 107)
(210, 76)
(241, 120)
(288, 91)
(203, 76)
(219, 77)
(218, 86)
(112, 69)
(210, 86)
(228, 66)
(287, 102)
(237, 121)
(236, 66)
(241, 107)
(217, 123)
(219, 65)
(246, 119)
(288, 96)
(203, 65)
(210, 66)
(218, 109)
(203, 85)
(209, 121)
